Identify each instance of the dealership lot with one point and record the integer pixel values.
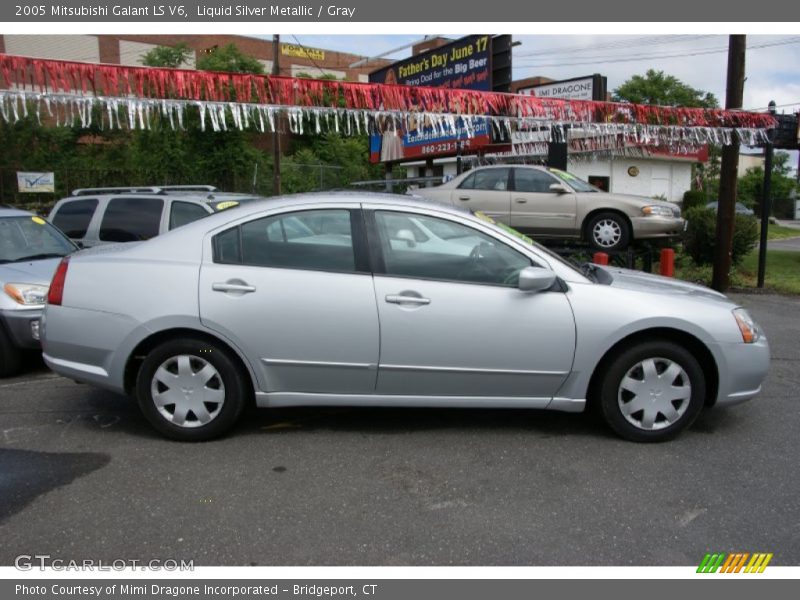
(83, 476)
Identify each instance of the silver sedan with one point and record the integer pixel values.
(367, 299)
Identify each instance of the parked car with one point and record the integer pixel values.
(30, 249)
(322, 299)
(552, 203)
(92, 216)
(741, 209)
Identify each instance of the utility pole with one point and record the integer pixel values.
(766, 203)
(276, 136)
(726, 206)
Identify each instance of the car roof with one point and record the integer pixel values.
(14, 212)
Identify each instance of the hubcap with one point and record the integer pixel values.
(187, 391)
(654, 394)
(607, 233)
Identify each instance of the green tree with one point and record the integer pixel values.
(167, 56)
(229, 59)
(751, 187)
(656, 87)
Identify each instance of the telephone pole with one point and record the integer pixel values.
(276, 136)
(726, 205)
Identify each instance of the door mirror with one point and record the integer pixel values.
(407, 236)
(535, 279)
(559, 188)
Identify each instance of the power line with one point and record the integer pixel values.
(661, 55)
(617, 44)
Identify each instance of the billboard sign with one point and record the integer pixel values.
(592, 87)
(463, 64)
(36, 182)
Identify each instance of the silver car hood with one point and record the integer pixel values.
(31, 271)
(645, 282)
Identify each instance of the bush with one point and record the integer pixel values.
(701, 235)
(693, 198)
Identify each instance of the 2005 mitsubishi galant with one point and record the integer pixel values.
(367, 299)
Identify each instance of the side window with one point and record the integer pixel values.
(533, 180)
(319, 240)
(183, 213)
(451, 251)
(487, 179)
(131, 219)
(73, 217)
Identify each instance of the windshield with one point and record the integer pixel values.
(577, 184)
(529, 242)
(31, 238)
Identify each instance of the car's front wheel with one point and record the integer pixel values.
(190, 390)
(608, 232)
(652, 391)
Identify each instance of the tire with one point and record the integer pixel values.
(608, 232)
(10, 358)
(204, 408)
(664, 379)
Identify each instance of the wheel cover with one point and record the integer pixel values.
(607, 233)
(187, 391)
(654, 394)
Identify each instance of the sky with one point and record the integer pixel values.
(772, 64)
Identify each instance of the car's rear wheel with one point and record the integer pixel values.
(652, 391)
(190, 390)
(608, 232)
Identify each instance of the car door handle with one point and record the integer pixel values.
(242, 288)
(399, 299)
(463, 198)
(520, 200)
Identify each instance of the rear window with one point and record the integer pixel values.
(73, 217)
(183, 213)
(131, 219)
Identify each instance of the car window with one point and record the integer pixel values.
(183, 213)
(31, 238)
(131, 219)
(320, 240)
(533, 181)
(73, 217)
(486, 179)
(452, 251)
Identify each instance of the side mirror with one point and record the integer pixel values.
(559, 188)
(535, 279)
(407, 236)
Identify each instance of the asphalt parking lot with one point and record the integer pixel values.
(83, 476)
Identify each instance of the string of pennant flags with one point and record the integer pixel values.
(114, 96)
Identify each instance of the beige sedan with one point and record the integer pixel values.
(552, 203)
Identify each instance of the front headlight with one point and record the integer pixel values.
(746, 325)
(28, 294)
(657, 211)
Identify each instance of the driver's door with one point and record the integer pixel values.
(535, 208)
(452, 320)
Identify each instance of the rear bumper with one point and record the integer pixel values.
(18, 324)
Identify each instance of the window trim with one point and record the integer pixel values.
(361, 261)
(377, 250)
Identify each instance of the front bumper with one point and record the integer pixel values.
(657, 227)
(20, 325)
(742, 370)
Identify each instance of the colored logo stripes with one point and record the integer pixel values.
(735, 562)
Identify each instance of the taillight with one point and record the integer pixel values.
(56, 292)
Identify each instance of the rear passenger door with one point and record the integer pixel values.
(294, 292)
(486, 190)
